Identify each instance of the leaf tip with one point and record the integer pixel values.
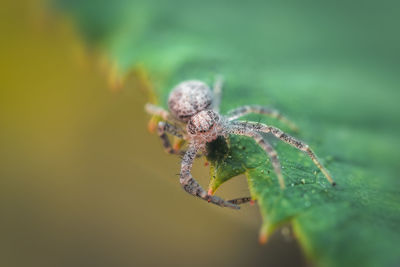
(178, 143)
(263, 238)
(152, 125)
(264, 234)
(210, 191)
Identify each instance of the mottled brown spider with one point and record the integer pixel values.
(194, 117)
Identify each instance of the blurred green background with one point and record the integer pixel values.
(84, 184)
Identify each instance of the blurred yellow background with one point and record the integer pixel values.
(82, 181)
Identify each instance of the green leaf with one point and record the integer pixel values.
(332, 68)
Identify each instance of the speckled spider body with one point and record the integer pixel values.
(194, 116)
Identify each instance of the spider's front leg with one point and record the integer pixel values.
(301, 146)
(162, 130)
(165, 128)
(191, 186)
(239, 201)
(241, 127)
(247, 131)
(273, 113)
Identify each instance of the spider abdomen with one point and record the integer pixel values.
(189, 98)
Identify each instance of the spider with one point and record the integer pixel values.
(194, 117)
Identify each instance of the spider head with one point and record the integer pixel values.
(189, 98)
(204, 125)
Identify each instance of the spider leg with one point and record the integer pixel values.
(267, 148)
(288, 140)
(217, 93)
(239, 201)
(273, 113)
(191, 186)
(157, 111)
(164, 128)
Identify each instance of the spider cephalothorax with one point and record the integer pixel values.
(205, 127)
(192, 104)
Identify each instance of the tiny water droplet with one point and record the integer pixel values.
(292, 185)
(303, 181)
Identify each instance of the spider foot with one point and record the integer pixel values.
(243, 200)
(220, 202)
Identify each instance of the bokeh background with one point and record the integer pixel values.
(83, 183)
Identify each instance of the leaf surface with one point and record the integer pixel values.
(329, 67)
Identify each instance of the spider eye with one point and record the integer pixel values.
(202, 122)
